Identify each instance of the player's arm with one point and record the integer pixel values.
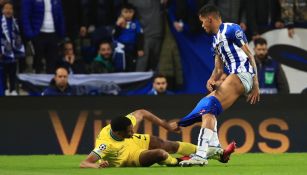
(142, 114)
(91, 162)
(220, 81)
(216, 73)
(254, 95)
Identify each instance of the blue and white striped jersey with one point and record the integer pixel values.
(227, 44)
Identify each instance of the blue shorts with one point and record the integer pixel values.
(207, 105)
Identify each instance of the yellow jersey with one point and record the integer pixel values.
(121, 152)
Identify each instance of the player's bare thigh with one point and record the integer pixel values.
(150, 157)
(158, 143)
(229, 91)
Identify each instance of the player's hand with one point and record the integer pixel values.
(103, 164)
(121, 22)
(210, 85)
(254, 96)
(173, 127)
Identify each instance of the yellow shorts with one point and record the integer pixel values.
(137, 144)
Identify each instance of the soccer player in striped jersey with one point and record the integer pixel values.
(232, 51)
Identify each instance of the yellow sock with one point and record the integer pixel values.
(186, 148)
(169, 161)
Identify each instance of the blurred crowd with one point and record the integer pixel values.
(105, 36)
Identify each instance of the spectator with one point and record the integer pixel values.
(170, 63)
(108, 59)
(99, 18)
(70, 61)
(300, 18)
(84, 47)
(103, 63)
(272, 79)
(233, 11)
(43, 24)
(293, 14)
(128, 31)
(59, 84)
(12, 47)
(262, 16)
(160, 86)
(186, 16)
(151, 19)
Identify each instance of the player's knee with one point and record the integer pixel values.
(168, 146)
(171, 147)
(161, 154)
(210, 118)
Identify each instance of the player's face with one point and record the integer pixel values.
(261, 51)
(160, 85)
(129, 133)
(61, 78)
(105, 50)
(127, 14)
(206, 24)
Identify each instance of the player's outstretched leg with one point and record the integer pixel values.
(205, 111)
(150, 157)
(204, 137)
(172, 147)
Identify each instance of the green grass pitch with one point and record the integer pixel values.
(240, 164)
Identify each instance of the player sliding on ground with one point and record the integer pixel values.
(231, 50)
(118, 146)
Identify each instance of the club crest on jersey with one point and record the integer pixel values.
(133, 26)
(239, 34)
(102, 147)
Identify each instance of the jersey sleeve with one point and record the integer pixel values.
(132, 119)
(101, 150)
(139, 28)
(238, 36)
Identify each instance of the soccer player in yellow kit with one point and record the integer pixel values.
(118, 146)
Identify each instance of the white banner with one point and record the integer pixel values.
(91, 84)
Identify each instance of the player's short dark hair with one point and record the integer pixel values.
(207, 10)
(128, 6)
(260, 41)
(159, 76)
(120, 123)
